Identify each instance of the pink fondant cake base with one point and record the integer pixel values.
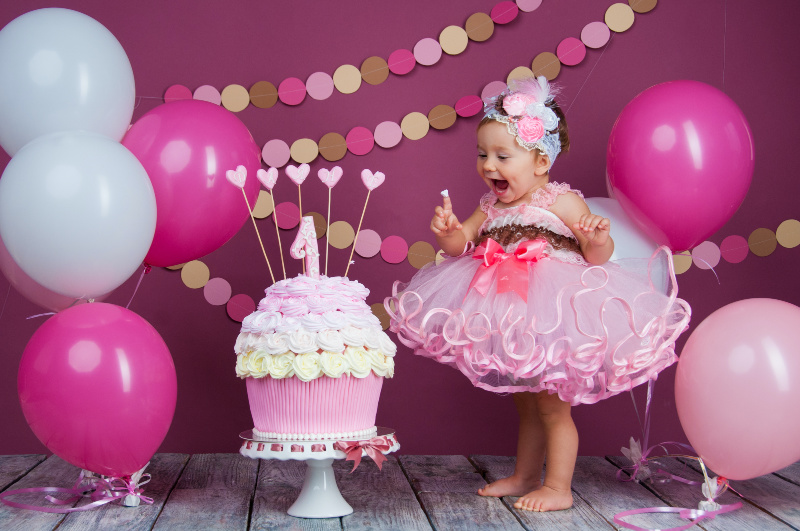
(323, 405)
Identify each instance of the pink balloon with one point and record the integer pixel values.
(32, 290)
(680, 161)
(737, 388)
(97, 386)
(186, 147)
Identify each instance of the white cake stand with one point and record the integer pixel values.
(320, 496)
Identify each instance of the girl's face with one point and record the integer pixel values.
(509, 170)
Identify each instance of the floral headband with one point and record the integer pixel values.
(529, 119)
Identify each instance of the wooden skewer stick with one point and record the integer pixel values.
(259, 235)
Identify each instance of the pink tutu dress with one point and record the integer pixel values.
(525, 312)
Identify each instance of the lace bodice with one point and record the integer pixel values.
(534, 214)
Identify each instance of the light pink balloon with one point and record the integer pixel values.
(186, 147)
(737, 388)
(97, 386)
(680, 160)
(32, 290)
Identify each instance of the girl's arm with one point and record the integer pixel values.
(591, 230)
(451, 235)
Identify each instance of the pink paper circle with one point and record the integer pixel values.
(734, 249)
(276, 153)
(492, 89)
(706, 255)
(504, 12)
(368, 243)
(571, 51)
(528, 5)
(292, 91)
(319, 86)
(209, 94)
(469, 106)
(428, 51)
(360, 140)
(287, 214)
(595, 34)
(401, 62)
(394, 249)
(240, 306)
(177, 92)
(217, 291)
(388, 134)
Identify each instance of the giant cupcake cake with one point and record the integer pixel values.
(313, 354)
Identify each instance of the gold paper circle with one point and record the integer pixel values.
(341, 234)
(319, 223)
(263, 95)
(235, 98)
(304, 150)
(442, 117)
(332, 147)
(453, 40)
(374, 70)
(379, 310)
(546, 64)
(415, 125)
(642, 6)
(420, 254)
(263, 207)
(619, 17)
(479, 27)
(762, 242)
(195, 274)
(176, 267)
(682, 262)
(347, 79)
(520, 72)
(788, 233)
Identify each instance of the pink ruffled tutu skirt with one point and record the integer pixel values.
(584, 332)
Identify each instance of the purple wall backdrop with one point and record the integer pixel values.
(745, 49)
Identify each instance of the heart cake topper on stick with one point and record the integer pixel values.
(237, 178)
(267, 177)
(329, 178)
(371, 181)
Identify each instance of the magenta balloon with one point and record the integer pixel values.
(680, 161)
(186, 147)
(97, 386)
(737, 388)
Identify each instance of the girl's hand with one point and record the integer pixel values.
(444, 222)
(595, 228)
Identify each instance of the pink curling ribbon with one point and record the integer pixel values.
(101, 490)
(373, 447)
(511, 269)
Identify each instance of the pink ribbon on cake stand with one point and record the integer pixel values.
(511, 269)
(373, 447)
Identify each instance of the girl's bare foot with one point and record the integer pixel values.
(510, 486)
(545, 499)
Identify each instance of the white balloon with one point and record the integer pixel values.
(77, 212)
(60, 71)
(632, 247)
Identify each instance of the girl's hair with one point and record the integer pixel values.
(563, 132)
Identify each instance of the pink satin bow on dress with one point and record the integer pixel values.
(373, 447)
(511, 269)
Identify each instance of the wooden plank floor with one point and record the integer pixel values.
(228, 491)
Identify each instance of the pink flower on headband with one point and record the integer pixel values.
(515, 104)
(530, 130)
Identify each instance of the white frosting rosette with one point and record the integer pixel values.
(302, 341)
(258, 364)
(333, 364)
(358, 361)
(306, 366)
(282, 366)
(330, 341)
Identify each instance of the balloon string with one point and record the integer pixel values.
(327, 233)
(145, 270)
(278, 233)
(253, 219)
(355, 239)
(5, 300)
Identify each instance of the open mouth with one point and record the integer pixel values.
(500, 186)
